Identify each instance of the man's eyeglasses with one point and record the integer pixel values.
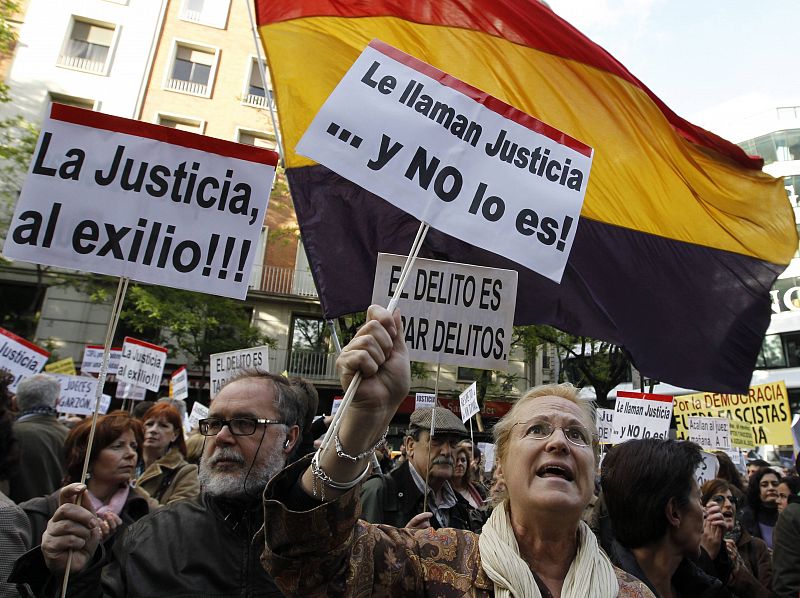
(541, 429)
(239, 426)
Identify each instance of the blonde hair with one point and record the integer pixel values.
(502, 430)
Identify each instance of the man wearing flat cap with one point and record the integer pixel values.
(398, 498)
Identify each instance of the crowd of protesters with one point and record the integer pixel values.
(250, 505)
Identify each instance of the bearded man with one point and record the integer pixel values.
(203, 546)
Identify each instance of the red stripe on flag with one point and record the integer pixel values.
(529, 23)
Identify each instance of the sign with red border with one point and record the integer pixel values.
(20, 357)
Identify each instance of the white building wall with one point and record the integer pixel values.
(35, 71)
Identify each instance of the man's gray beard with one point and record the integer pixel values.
(231, 485)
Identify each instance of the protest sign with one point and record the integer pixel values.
(335, 405)
(78, 394)
(142, 363)
(641, 415)
(20, 357)
(225, 366)
(62, 366)
(424, 400)
(796, 433)
(455, 314)
(464, 162)
(469, 402)
(488, 451)
(126, 198)
(741, 434)
(179, 384)
(93, 359)
(199, 411)
(130, 392)
(708, 468)
(605, 425)
(710, 432)
(765, 407)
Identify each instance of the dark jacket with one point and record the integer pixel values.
(786, 554)
(754, 579)
(195, 547)
(394, 499)
(41, 452)
(689, 579)
(751, 519)
(40, 510)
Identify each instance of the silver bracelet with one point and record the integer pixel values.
(326, 480)
(367, 453)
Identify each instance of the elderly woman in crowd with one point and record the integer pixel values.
(752, 564)
(659, 522)
(761, 513)
(534, 544)
(112, 464)
(167, 476)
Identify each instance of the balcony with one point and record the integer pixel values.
(190, 87)
(86, 65)
(283, 281)
(308, 364)
(258, 101)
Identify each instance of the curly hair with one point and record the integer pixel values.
(754, 488)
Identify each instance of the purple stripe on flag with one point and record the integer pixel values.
(690, 315)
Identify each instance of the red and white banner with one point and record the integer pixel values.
(142, 364)
(641, 415)
(126, 198)
(20, 357)
(466, 163)
(179, 384)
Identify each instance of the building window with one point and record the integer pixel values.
(254, 93)
(60, 98)
(192, 69)
(256, 138)
(213, 13)
(88, 47)
(181, 123)
(310, 351)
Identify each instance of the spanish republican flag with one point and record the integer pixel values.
(681, 235)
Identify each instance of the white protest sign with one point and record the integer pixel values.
(142, 363)
(796, 433)
(93, 359)
(455, 314)
(708, 468)
(464, 162)
(199, 411)
(641, 415)
(105, 403)
(225, 366)
(335, 405)
(469, 402)
(424, 400)
(126, 198)
(78, 395)
(487, 448)
(130, 391)
(710, 432)
(20, 357)
(605, 425)
(180, 384)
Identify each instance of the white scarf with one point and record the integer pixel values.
(590, 575)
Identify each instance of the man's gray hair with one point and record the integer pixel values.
(39, 390)
(286, 400)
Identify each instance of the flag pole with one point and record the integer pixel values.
(116, 310)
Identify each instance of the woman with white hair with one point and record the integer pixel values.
(534, 544)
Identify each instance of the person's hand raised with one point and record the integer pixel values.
(73, 527)
(379, 352)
